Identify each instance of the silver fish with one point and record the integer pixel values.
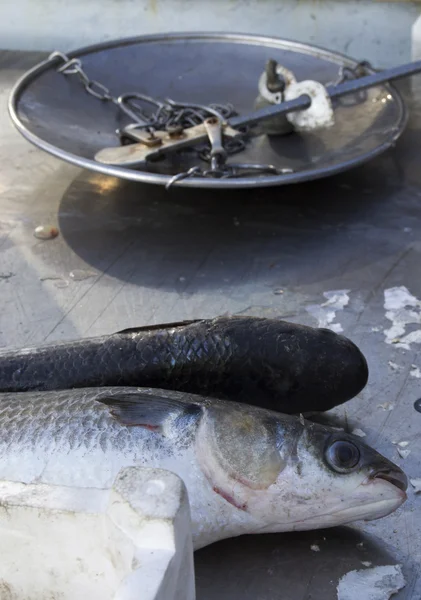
(246, 469)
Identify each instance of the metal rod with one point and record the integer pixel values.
(270, 111)
(348, 87)
(362, 83)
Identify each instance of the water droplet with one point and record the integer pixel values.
(80, 274)
(61, 283)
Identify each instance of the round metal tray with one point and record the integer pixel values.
(56, 114)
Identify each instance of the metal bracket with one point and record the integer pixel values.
(152, 145)
(218, 154)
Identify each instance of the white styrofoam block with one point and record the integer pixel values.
(130, 543)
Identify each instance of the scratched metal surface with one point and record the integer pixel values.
(141, 255)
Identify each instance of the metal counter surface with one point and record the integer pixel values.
(131, 254)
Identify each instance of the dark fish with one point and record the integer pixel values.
(271, 363)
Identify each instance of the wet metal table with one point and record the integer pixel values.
(131, 254)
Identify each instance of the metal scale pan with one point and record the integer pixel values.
(55, 112)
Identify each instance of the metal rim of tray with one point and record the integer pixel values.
(201, 182)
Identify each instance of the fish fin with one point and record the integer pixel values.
(146, 328)
(144, 410)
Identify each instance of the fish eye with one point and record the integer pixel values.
(342, 456)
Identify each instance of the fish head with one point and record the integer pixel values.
(289, 474)
(334, 478)
(294, 359)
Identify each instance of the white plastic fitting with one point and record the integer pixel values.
(275, 97)
(319, 114)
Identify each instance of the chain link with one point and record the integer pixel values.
(167, 114)
(228, 171)
(73, 66)
(345, 74)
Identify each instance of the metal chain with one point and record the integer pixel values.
(345, 74)
(168, 113)
(228, 171)
(73, 66)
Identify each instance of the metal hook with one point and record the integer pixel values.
(57, 54)
(71, 67)
(180, 176)
(137, 118)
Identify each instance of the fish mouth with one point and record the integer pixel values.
(389, 494)
(393, 476)
(370, 511)
(391, 485)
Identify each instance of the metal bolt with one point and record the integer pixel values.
(274, 82)
(174, 131)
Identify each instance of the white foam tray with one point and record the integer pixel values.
(132, 542)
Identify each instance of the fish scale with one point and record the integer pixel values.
(269, 362)
(57, 419)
